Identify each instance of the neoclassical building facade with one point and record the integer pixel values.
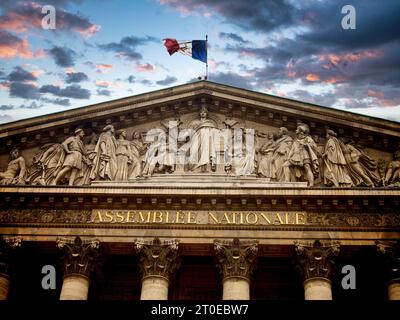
(200, 192)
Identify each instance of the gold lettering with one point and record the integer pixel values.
(98, 215)
(278, 216)
(167, 217)
(157, 217)
(212, 216)
(191, 219)
(128, 216)
(142, 218)
(241, 218)
(179, 217)
(300, 218)
(119, 217)
(109, 216)
(225, 218)
(255, 218)
(287, 220)
(267, 220)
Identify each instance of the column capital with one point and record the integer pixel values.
(157, 258)
(79, 256)
(316, 259)
(390, 251)
(236, 258)
(7, 247)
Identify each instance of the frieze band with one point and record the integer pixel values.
(98, 217)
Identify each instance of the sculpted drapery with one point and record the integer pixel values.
(334, 169)
(283, 146)
(203, 151)
(105, 161)
(265, 166)
(123, 157)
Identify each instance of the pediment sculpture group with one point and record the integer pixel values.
(281, 157)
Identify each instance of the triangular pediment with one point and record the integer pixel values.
(186, 97)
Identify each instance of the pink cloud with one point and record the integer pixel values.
(106, 84)
(146, 67)
(19, 48)
(312, 77)
(336, 59)
(103, 68)
(4, 85)
(26, 16)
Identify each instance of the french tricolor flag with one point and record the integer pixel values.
(197, 49)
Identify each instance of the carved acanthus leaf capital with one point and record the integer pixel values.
(316, 260)
(236, 258)
(390, 251)
(7, 248)
(79, 255)
(158, 258)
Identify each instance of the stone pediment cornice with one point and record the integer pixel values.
(234, 98)
(202, 128)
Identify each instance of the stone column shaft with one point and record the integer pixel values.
(75, 287)
(158, 260)
(154, 288)
(317, 289)
(236, 261)
(394, 290)
(4, 286)
(236, 289)
(7, 250)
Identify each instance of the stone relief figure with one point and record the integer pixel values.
(203, 149)
(360, 166)
(105, 160)
(265, 165)
(321, 149)
(158, 158)
(138, 152)
(124, 156)
(392, 177)
(48, 162)
(302, 159)
(84, 174)
(74, 157)
(16, 169)
(228, 147)
(244, 162)
(283, 145)
(334, 168)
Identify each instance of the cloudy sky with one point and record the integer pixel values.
(103, 50)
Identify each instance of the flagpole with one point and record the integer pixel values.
(207, 57)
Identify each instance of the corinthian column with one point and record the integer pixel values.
(236, 261)
(391, 254)
(316, 264)
(7, 246)
(79, 261)
(158, 260)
